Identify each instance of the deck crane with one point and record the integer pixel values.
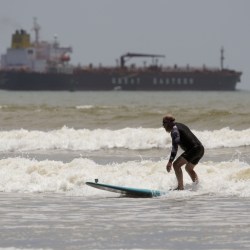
(127, 56)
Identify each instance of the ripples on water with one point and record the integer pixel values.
(114, 110)
(58, 222)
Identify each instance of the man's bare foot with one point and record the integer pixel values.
(196, 180)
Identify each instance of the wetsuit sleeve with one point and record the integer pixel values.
(175, 135)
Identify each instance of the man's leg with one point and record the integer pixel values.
(180, 161)
(190, 170)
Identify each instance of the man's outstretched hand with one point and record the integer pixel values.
(169, 166)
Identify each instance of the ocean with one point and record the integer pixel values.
(51, 143)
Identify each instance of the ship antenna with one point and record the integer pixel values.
(36, 28)
(222, 58)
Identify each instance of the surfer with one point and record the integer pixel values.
(193, 150)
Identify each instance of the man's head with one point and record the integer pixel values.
(168, 122)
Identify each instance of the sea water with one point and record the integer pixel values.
(51, 143)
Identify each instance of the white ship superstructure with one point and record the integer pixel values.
(37, 56)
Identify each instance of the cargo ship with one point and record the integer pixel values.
(41, 65)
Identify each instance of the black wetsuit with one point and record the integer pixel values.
(183, 137)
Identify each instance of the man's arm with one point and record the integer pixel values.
(175, 135)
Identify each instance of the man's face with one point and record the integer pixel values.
(168, 126)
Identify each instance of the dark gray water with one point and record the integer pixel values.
(115, 110)
(58, 222)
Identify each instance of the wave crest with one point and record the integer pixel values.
(127, 138)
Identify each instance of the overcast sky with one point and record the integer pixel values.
(100, 31)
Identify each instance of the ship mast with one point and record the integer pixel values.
(222, 58)
(36, 28)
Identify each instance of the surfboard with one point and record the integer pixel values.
(128, 191)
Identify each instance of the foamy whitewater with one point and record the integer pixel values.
(127, 138)
(232, 178)
(52, 143)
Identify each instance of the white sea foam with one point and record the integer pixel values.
(231, 178)
(127, 138)
(85, 107)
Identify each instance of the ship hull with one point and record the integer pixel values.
(128, 81)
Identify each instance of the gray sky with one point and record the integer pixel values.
(99, 31)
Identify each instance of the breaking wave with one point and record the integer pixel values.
(24, 175)
(127, 138)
